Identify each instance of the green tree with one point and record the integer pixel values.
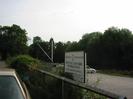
(89, 38)
(72, 46)
(36, 52)
(117, 46)
(91, 44)
(59, 52)
(37, 39)
(13, 41)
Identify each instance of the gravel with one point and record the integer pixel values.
(115, 84)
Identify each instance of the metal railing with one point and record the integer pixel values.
(82, 85)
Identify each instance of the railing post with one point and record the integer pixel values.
(62, 89)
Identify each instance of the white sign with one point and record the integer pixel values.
(75, 63)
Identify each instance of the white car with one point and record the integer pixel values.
(91, 70)
(11, 87)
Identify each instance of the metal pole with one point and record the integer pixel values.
(62, 89)
(52, 45)
(45, 52)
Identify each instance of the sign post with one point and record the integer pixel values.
(75, 64)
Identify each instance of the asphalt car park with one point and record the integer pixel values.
(115, 84)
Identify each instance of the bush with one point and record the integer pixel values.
(24, 60)
(23, 64)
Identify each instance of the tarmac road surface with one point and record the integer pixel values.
(115, 84)
(3, 64)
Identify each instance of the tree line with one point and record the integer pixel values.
(13, 41)
(112, 49)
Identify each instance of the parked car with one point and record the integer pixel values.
(91, 70)
(11, 87)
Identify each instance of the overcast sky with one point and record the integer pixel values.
(66, 20)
